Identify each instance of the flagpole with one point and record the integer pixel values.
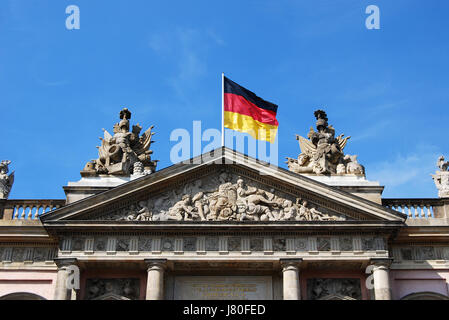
(222, 110)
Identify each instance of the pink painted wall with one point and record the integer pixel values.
(405, 282)
(39, 282)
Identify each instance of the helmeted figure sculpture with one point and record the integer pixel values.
(441, 178)
(124, 152)
(6, 181)
(322, 152)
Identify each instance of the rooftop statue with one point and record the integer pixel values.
(6, 181)
(441, 178)
(124, 152)
(322, 153)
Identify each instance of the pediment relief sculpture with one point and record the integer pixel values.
(225, 197)
(125, 152)
(322, 153)
(441, 178)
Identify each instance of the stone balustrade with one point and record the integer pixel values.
(30, 209)
(419, 208)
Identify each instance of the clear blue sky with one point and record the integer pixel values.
(386, 88)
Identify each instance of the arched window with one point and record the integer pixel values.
(425, 296)
(22, 296)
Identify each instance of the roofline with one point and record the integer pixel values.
(212, 157)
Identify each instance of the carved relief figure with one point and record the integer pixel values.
(221, 199)
(125, 152)
(322, 152)
(6, 181)
(144, 214)
(441, 178)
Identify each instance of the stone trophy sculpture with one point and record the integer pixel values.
(322, 153)
(441, 178)
(6, 181)
(124, 152)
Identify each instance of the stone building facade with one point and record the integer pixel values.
(225, 226)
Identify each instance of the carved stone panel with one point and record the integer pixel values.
(346, 244)
(145, 244)
(279, 244)
(322, 289)
(234, 243)
(100, 243)
(324, 244)
(122, 244)
(189, 244)
(301, 244)
(18, 254)
(256, 244)
(211, 244)
(167, 244)
(40, 254)
(98, 288)
(367, 244)
(78, 244)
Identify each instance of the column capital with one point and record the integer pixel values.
(65, 262)
(156, 263)
(381, 262)
(287, 263)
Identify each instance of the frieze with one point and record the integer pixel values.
(27, 254)
(223, 197)
(179, 244)
(421, 253)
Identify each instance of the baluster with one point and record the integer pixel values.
(403, 208)
(36, 216)
(423, 215)
(409, 211)
(416, 213)
(16, 212)
(430, 211)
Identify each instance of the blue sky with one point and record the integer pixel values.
(386, 88)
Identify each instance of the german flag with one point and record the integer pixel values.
(246, 112)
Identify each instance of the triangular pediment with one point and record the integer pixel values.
(223, 186)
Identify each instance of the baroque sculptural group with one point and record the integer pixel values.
(125, 152)
(441, 178)
(6, 181)
(322, 153)
(224, 201)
